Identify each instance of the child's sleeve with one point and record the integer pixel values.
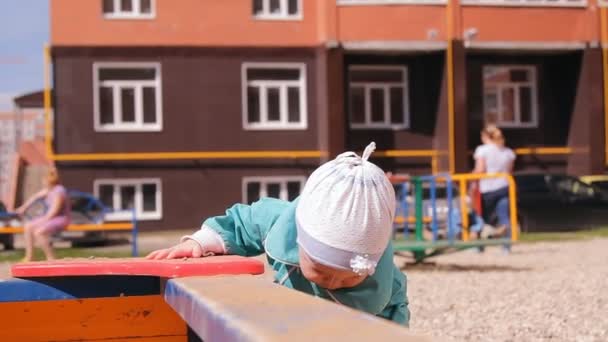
(397, 309)
(242, 230)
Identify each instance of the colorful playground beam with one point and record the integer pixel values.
(252, 309)
(103, 299)
(463, 178)
(215, 297)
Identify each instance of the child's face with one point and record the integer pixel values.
(328, 277)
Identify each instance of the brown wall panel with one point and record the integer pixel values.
(201, 95)
(556, 81)
(586, 129)
(189, 194)
(424, 83)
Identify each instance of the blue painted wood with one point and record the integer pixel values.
(55, 288)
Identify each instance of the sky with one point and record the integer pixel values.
(24, 29)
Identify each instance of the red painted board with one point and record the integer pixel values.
(209, 266)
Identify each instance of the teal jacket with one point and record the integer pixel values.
(268, 226)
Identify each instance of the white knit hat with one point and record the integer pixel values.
(345, 213)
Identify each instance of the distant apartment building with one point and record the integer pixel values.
(15, 128)
(181, 108)
(25, 124)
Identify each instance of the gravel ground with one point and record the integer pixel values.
(541, 292)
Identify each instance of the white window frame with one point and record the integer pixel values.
(389, 2)
(122, 215)
(533, 84)
(264, 180)
(526, 3)
(135, 14)
(283, 15)
(283, 124)
(117, 85)
(386, 86)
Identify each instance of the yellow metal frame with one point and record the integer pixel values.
(590, 179)
(47, 103)
(450, 74)
(604, 42)
(543, 150)
(433, 154)
(463, 179)
(78, 228)
(411, 219)
(187, 155)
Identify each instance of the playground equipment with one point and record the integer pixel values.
(87, 216)
(444, 211)
(209, 299)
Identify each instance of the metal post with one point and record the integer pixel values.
(405, 208)
(434, 225)
(448, 185)
(464, 212)
(134, 251)
(418, 208)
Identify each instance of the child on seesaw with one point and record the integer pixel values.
(332, 242)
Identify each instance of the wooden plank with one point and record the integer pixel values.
(248, 308)
(141, 339)
(91, 319)
(210, 266)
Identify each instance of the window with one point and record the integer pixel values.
(144, 195)
(274, 96)
(128, 9)
(510, 95)
(127, 97)
(277, 9)
(522, 3)
(285, 188)
(378, 97)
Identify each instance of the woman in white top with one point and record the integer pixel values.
(494, 157)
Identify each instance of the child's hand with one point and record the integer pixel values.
(186, 249)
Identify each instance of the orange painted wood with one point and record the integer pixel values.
(209, 266)
(120, 318)
(146, 339)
